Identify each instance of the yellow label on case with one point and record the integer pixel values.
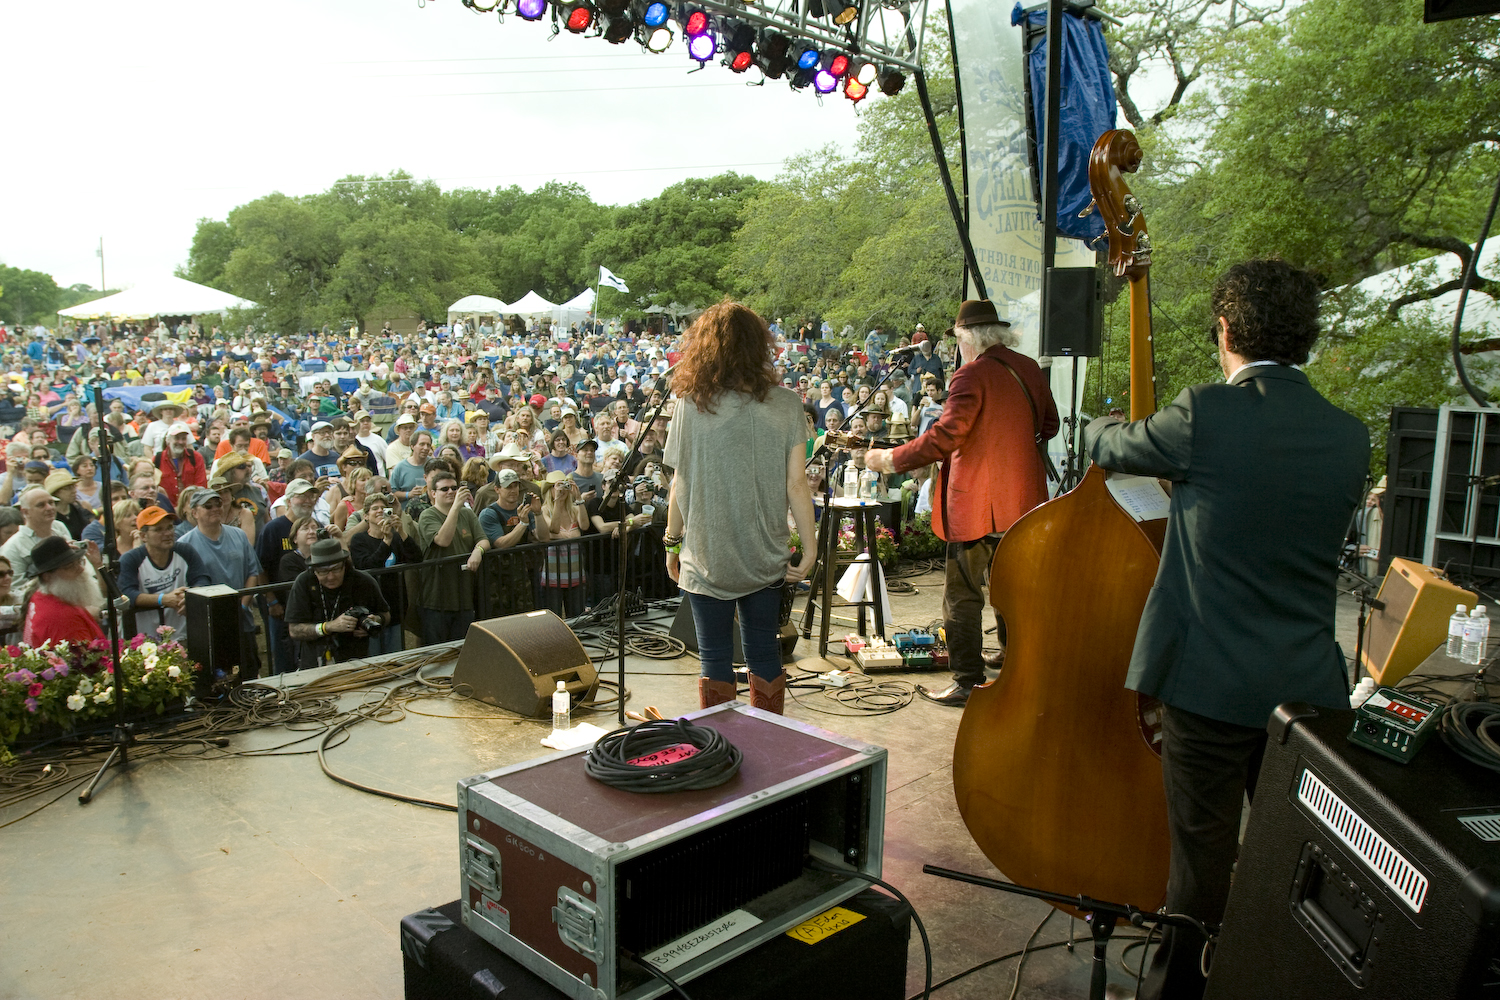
(825, 924)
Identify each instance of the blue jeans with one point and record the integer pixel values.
(387, 640)
(760, 622)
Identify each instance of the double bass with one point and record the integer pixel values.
(1056, 766)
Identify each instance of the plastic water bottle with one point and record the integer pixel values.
(1476, 631)
(851, 480)
(869, 484)
(561, 708)
(1456, 631)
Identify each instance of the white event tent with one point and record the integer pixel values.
(576, 309)
(165, 296)
(531, 304)
(478, 305)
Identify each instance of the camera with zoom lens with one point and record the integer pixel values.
(367, 621)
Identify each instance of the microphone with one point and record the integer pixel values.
(904, 352)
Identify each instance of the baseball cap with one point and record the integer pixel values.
(36, 465)
(151, 515)
(285, 453)
(297, 487)
(362, 414)
(202, 497)
(178, 428)
(428, 408)
(321, 425)
(405, 418)
(508, 477)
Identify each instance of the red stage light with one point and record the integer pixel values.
(741, 62)
(839, 66)
(697, 24)
(580, 19)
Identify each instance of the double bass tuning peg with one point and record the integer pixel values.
(1132, 205)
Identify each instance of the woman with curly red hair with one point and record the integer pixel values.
(738, 442)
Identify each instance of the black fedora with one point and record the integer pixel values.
(53, 553)
(326, 552)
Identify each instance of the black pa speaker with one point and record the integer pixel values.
(213, 639)
(1452, 10)
(1073, 314)
(515, 663)
(1360, 876)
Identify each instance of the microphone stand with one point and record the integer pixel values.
(613, 493)
(122, 737)
(1100, 916)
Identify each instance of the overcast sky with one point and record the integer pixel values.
(132, 120)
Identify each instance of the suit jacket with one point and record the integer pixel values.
(1267, 474)
(986, 442)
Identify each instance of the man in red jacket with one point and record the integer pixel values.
(180, 464)
(991, 474)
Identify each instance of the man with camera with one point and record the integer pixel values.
(333, 608)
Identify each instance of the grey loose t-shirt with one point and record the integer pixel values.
(731, 488)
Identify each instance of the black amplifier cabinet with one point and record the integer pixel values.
(1362, 877)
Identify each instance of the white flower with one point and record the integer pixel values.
(76, 702)
(148, 650)
(85, 686)
(174, 671)
(102, 698)
(149, 664)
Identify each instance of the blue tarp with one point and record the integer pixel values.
(1086, 111)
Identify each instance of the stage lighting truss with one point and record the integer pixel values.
(854, 45)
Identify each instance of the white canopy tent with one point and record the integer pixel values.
(478, 305)
(531, 304)
(575, 310)
(165, 296)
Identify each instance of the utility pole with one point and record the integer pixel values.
(102, 286)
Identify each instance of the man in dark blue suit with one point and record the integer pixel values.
(1266, 474)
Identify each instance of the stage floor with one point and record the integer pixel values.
(254, 877)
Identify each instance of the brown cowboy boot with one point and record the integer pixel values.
(711, 692)
(768, 695)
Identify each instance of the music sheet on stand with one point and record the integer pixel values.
(1141, 496)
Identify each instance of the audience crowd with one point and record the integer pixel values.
(254, 459)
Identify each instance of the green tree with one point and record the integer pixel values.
(27, 296)
(674, 247)
(213, 243)
(286, 252)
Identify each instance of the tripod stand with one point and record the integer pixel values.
(1101, 917)
(122, 737)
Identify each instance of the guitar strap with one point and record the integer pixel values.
(1036, 419)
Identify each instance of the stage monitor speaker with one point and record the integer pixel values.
(1360, 876)
(686, 632)
(213, 639)
(1418, 603)
(515, 663)
(1073, 323)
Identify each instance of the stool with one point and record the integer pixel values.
(865, 516)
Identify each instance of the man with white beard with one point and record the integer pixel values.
(179, 464)
(65, 604)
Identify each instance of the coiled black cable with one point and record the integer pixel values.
(716, 761)
(1472, 730)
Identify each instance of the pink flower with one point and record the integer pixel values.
(61, 670)
(164, 630)
(25, 676)
(35, 690)
(50, 674)
(31, 705)
(137, 641)
(15, 650)
(54, 659)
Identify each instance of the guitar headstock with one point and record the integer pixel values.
(1115, 154)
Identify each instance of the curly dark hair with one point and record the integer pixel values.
(1272, 309)
(728, 349)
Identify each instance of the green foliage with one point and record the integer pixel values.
(27, 296)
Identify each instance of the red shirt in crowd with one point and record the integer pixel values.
(49, 618)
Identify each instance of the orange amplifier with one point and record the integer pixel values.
(584, 883)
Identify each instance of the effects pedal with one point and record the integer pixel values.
(879, 656)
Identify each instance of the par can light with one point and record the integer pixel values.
(656, 14)
(656, 39)
(838, 65)
(531, 10)
(807, 58)
(855, 91)
(824, 82)
(701, 47)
